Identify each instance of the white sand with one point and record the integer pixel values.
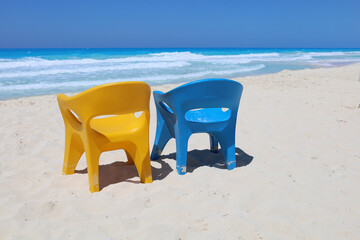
(298, 174)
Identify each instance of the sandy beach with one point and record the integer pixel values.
(298, 174)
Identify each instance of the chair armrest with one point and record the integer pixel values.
(63, 102)
(157, 95)
(162, 101)
(67, 111)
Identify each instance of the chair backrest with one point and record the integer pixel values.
(206, 93)
(111, 99)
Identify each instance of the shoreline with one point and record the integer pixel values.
(239, 78)
(298, 162)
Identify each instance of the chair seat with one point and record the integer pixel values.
(113, 127)
(208, 115)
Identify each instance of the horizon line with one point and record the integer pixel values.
(23, 48)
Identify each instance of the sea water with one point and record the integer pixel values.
(29, 72)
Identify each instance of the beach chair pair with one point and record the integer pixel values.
(106, 118)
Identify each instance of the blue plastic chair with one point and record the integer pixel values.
(198, 107)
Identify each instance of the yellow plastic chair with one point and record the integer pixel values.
(86, 132)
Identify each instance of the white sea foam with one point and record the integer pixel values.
(151, 79)
(188, 56)
(40, 62)
(36, 62)
(326, 54)
(94, 69)
(329, 54)
(334, 62)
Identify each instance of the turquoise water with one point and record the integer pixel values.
(29, 72)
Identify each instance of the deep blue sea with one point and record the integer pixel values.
(29, 72)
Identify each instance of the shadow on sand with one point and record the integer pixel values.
(117, 172)
(199, 158)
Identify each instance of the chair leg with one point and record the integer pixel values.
(229, 155)
(92, 159)
(141, 158)
(74, 149)
(129, 158)
(214, 144)
(227, 143)
(161, 139)
(181, 152)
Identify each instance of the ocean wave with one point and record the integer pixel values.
(241, 58)
(326, 54)
(333, 54)
(6, 59)
(35, 62)
(155, 65)
(188, 56)
(332, 61)
(150, 79)
(38, 63)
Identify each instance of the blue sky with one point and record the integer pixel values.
(181, 23)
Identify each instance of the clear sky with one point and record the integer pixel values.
(180, 23)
